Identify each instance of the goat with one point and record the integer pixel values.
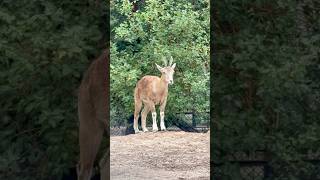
(151, 91)
(93, 114)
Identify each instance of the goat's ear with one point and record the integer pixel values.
(173, 66)
(159, 67)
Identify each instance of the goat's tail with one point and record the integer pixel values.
(136, 94)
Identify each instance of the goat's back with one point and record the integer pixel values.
(150, 88)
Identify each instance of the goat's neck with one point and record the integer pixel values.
(163, 82)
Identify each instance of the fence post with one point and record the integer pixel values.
(194, 124)
(267, 167)
(267, 171)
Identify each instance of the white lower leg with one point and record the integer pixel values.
(162, 126)
(143, 123)
(154, 124)
(135, 125)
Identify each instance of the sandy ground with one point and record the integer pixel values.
(160, 155)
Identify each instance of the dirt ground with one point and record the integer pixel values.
(160, 155)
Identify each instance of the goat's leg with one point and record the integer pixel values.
(154, 117)
(162, 126)
(144, 114)
(162, 107)
(154, 123)
(137, 108)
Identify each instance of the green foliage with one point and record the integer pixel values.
(161, 28)
(44, 50)
(266, 84)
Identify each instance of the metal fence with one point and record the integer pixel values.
(195, 119)
(256, 167)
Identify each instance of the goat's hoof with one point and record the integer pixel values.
(163, 128)
(145, 130)
(154, 129)
(137, 132)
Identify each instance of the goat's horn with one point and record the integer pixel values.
(171, 60)
(164, 61)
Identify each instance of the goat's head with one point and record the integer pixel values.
(167, 71)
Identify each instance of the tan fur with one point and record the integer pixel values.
(151, 91)
(151, 88)
(93, 113)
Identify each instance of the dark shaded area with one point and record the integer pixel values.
(129, 129)
(137, 5)
(184, 126)
(45, 48)
(265, 90)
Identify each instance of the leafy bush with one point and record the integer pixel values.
(44, 50)
(160, 28)
(266, 84)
